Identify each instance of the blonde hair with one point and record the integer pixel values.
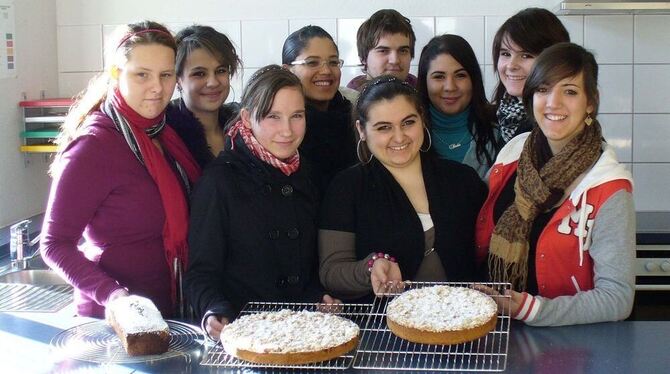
(117, 52)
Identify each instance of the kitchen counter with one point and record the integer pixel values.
(621, 347)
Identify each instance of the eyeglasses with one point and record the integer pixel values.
(317, 63)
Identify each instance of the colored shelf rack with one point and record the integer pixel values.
(41, 122)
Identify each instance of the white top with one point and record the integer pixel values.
(442, 308)
(136, 314)
(426, 221)
(288, 331)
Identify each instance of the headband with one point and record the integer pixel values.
(125, 38)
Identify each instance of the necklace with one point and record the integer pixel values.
(452, 146)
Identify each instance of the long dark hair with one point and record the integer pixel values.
(532, 29)
(482, 113)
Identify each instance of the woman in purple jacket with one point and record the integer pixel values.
(121, 179)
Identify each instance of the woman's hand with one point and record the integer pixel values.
(330, 304)
(506, 305)
(385, 276)
(214, 324)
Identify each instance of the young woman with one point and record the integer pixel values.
(559, 220)
(311, 54)
(516, 44)
(416, 210)
(206, 61)
(120, 180)
(253, 213)
(461, 120)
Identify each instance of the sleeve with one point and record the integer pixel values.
(80, 186)
(613, 253)
(339, 271)
(207, 241)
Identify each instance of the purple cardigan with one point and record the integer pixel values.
(102, 194)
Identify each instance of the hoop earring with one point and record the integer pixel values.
(430, 140)
(358, 153)
(588, 120)
(232, 88)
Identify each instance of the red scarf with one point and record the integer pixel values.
(287, 167)
(175, 205)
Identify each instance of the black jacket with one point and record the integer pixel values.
(367, 200)
(329, 141)
(190, 129)
(252, 235)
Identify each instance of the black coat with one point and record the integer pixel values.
(368, 201)
(191, 131)
(329, 141)
(252, 235)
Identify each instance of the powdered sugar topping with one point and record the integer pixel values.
(288, 331)
(441, 308)
(136, 314)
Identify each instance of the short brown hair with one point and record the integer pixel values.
(382, 22)
(560, 61)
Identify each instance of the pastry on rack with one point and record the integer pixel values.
(441, 315)
(289, 337)
(139, 325)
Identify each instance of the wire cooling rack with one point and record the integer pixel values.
(380, 349)
(97, 342)
(358, 313)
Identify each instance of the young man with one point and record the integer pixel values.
(385, 44)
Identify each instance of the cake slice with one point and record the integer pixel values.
(139, 325)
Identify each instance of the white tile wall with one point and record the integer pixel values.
(330, 25)
(650, 190)
(346, 39)
(470, 28)
(652, 135)
(652, 88)
(424, 30)
(610, 38)
(633, 52)
(616, 88)
(651, 39)
(262, 42)
(80, 48)
(618, 131)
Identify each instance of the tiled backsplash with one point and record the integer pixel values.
(633, 52)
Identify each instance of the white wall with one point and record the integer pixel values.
(633, 51)
(24, 187)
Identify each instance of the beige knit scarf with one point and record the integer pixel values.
(537, 189)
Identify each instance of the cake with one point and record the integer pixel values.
(139, 325)
(441, 315)
(289, 337)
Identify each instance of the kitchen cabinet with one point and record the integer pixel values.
(41, 123)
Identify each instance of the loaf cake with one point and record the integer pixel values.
(289, 337)
(441, 315)
(139, 325)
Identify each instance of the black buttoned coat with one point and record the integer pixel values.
(252, 235)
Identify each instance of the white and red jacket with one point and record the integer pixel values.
(563, 262)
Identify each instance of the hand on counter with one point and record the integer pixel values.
(385, 276)
(511, 304)
(214, 324)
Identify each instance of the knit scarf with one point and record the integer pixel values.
(138, 132)
(510, 114)
(538, 188)
(287, 167)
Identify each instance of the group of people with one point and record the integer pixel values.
(306, 191)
